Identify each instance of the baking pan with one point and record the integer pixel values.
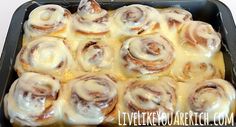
(211, 11)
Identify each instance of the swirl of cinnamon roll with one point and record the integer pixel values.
(94, 56)
(215, 97)
(90, 19)
(89, 99)
(176, 16)
(149, 96)
(201, 37)
(137, 19)
(196, 70)
(45, 55)
(32, 100)
(147, 54)
(47, 19)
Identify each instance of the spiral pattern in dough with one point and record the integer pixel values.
(201, 37)
(94, 56)
(150, 96)
(213, 96)
(45, 55)
(147, 54)
(89, 99)
(32, 100)
(196, 70)
(90, 19)
(176, 16)
(137, 19)
(47, 19)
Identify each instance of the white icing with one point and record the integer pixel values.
(147, 17)
(176, 14)
(138, 48)
(88, 113)
(43, 13)
(86, 20)
(48, 17)
(195, 69)
(113, 41)
(45, 54)
(219, 100)
(202, 30)
(162, 103)
(27, 108)
(95, 57)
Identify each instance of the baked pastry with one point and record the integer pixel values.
(90, 19)
(48, 20)
(147, 54)
(213, 96)
(151, 96)
(176, 16)
(216, 97)
(32, 100)
(200, 37)
(137, 44)
(48, 55)
(95, 55)
(196, 70)
(137, 19)
(89, 98)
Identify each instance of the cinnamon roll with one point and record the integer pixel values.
(137, 19)
(176, 16)
(200, 37)
(152, 96)
(95, 55)
(196, 70)
(147, 54)
(32, 100)
(47, 19)
(48, 55)
(89, 99)
(90, 19)
(215, 97)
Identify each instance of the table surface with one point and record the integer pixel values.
(6, 13)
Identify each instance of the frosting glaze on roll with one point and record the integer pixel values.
(200, 37)
(47, 19)
(138, 44)
(196, 70)
(32, 100)
(45, 55)
(89, 99)
(176, 16)
(147, 54)
(94, 56)
(213, 96)
(149, 96)
(90, 19)
(137, 19)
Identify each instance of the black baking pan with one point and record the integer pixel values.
(211, 11)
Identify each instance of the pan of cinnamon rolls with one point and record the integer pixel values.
(88, 66)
